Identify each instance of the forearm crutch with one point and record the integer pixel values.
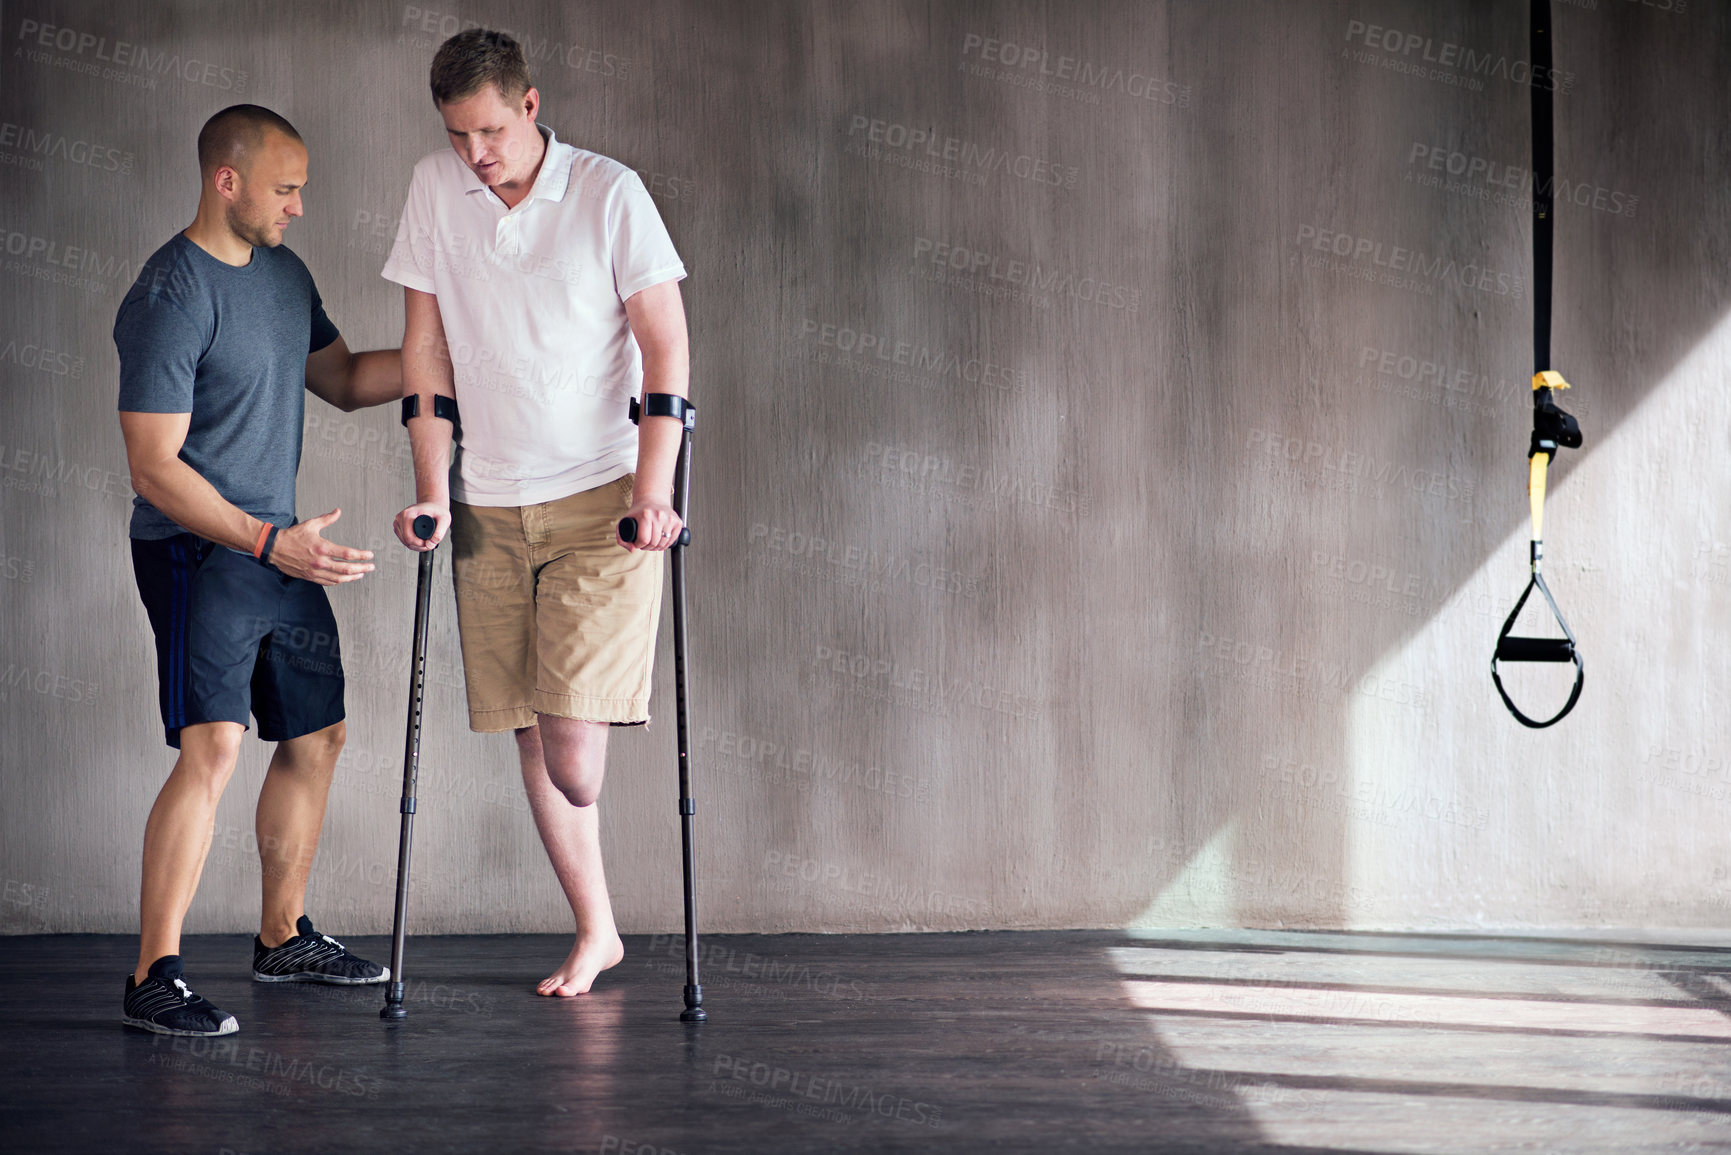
(1553, 429)
(393, 1008)
(673, 405)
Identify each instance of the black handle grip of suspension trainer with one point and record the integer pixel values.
(628, 531)
(424, 527)
(1535, 650)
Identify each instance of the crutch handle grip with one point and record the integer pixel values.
(425, 526)
(628, 531)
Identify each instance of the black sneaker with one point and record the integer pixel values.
(165, 1004)
(311, 957)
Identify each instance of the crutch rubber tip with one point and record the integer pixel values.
(393, 1008)
(693, 1012)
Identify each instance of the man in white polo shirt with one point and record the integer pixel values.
(542, 292)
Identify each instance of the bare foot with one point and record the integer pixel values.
(587, 959)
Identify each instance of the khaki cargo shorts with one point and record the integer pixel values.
(555, 617)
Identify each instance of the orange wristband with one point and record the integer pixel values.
(263, 532)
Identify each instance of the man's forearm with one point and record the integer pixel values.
(658, 437)
(657, 453)
(181, 494)
(430, 446)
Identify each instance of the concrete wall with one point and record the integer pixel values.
(1110, 479)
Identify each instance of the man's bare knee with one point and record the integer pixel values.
(326, 743)
(578, 794)
(316, 751)
(575, 754)
(576, 779)
(208, 753)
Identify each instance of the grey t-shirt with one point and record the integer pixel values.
(230, 347)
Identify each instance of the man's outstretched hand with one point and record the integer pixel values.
(301, 551)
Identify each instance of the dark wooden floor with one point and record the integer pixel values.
(1165, 1041)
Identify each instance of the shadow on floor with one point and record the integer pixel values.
(1086, 1041)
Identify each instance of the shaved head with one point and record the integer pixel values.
(236, 135)
(253, 165)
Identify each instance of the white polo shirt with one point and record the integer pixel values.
(533, 304)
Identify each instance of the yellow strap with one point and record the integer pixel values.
(1544, 379)
(1536, 491)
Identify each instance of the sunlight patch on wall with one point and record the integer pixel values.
(1202, 893)
(1463, 817)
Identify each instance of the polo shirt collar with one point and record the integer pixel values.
(553, 179)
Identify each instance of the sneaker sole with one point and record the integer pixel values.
(229, 1026)
(328, 980)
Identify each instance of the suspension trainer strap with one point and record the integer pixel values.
(1544, 183)
(1553, 429)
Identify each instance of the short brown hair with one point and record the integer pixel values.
(228, 136)
(475, 58)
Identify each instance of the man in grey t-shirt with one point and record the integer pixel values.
(219, 339)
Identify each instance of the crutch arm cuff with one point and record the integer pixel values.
(663, 405)
(443, 406)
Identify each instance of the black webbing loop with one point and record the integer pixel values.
(1513, 649)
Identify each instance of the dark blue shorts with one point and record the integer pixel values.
(236, 639)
